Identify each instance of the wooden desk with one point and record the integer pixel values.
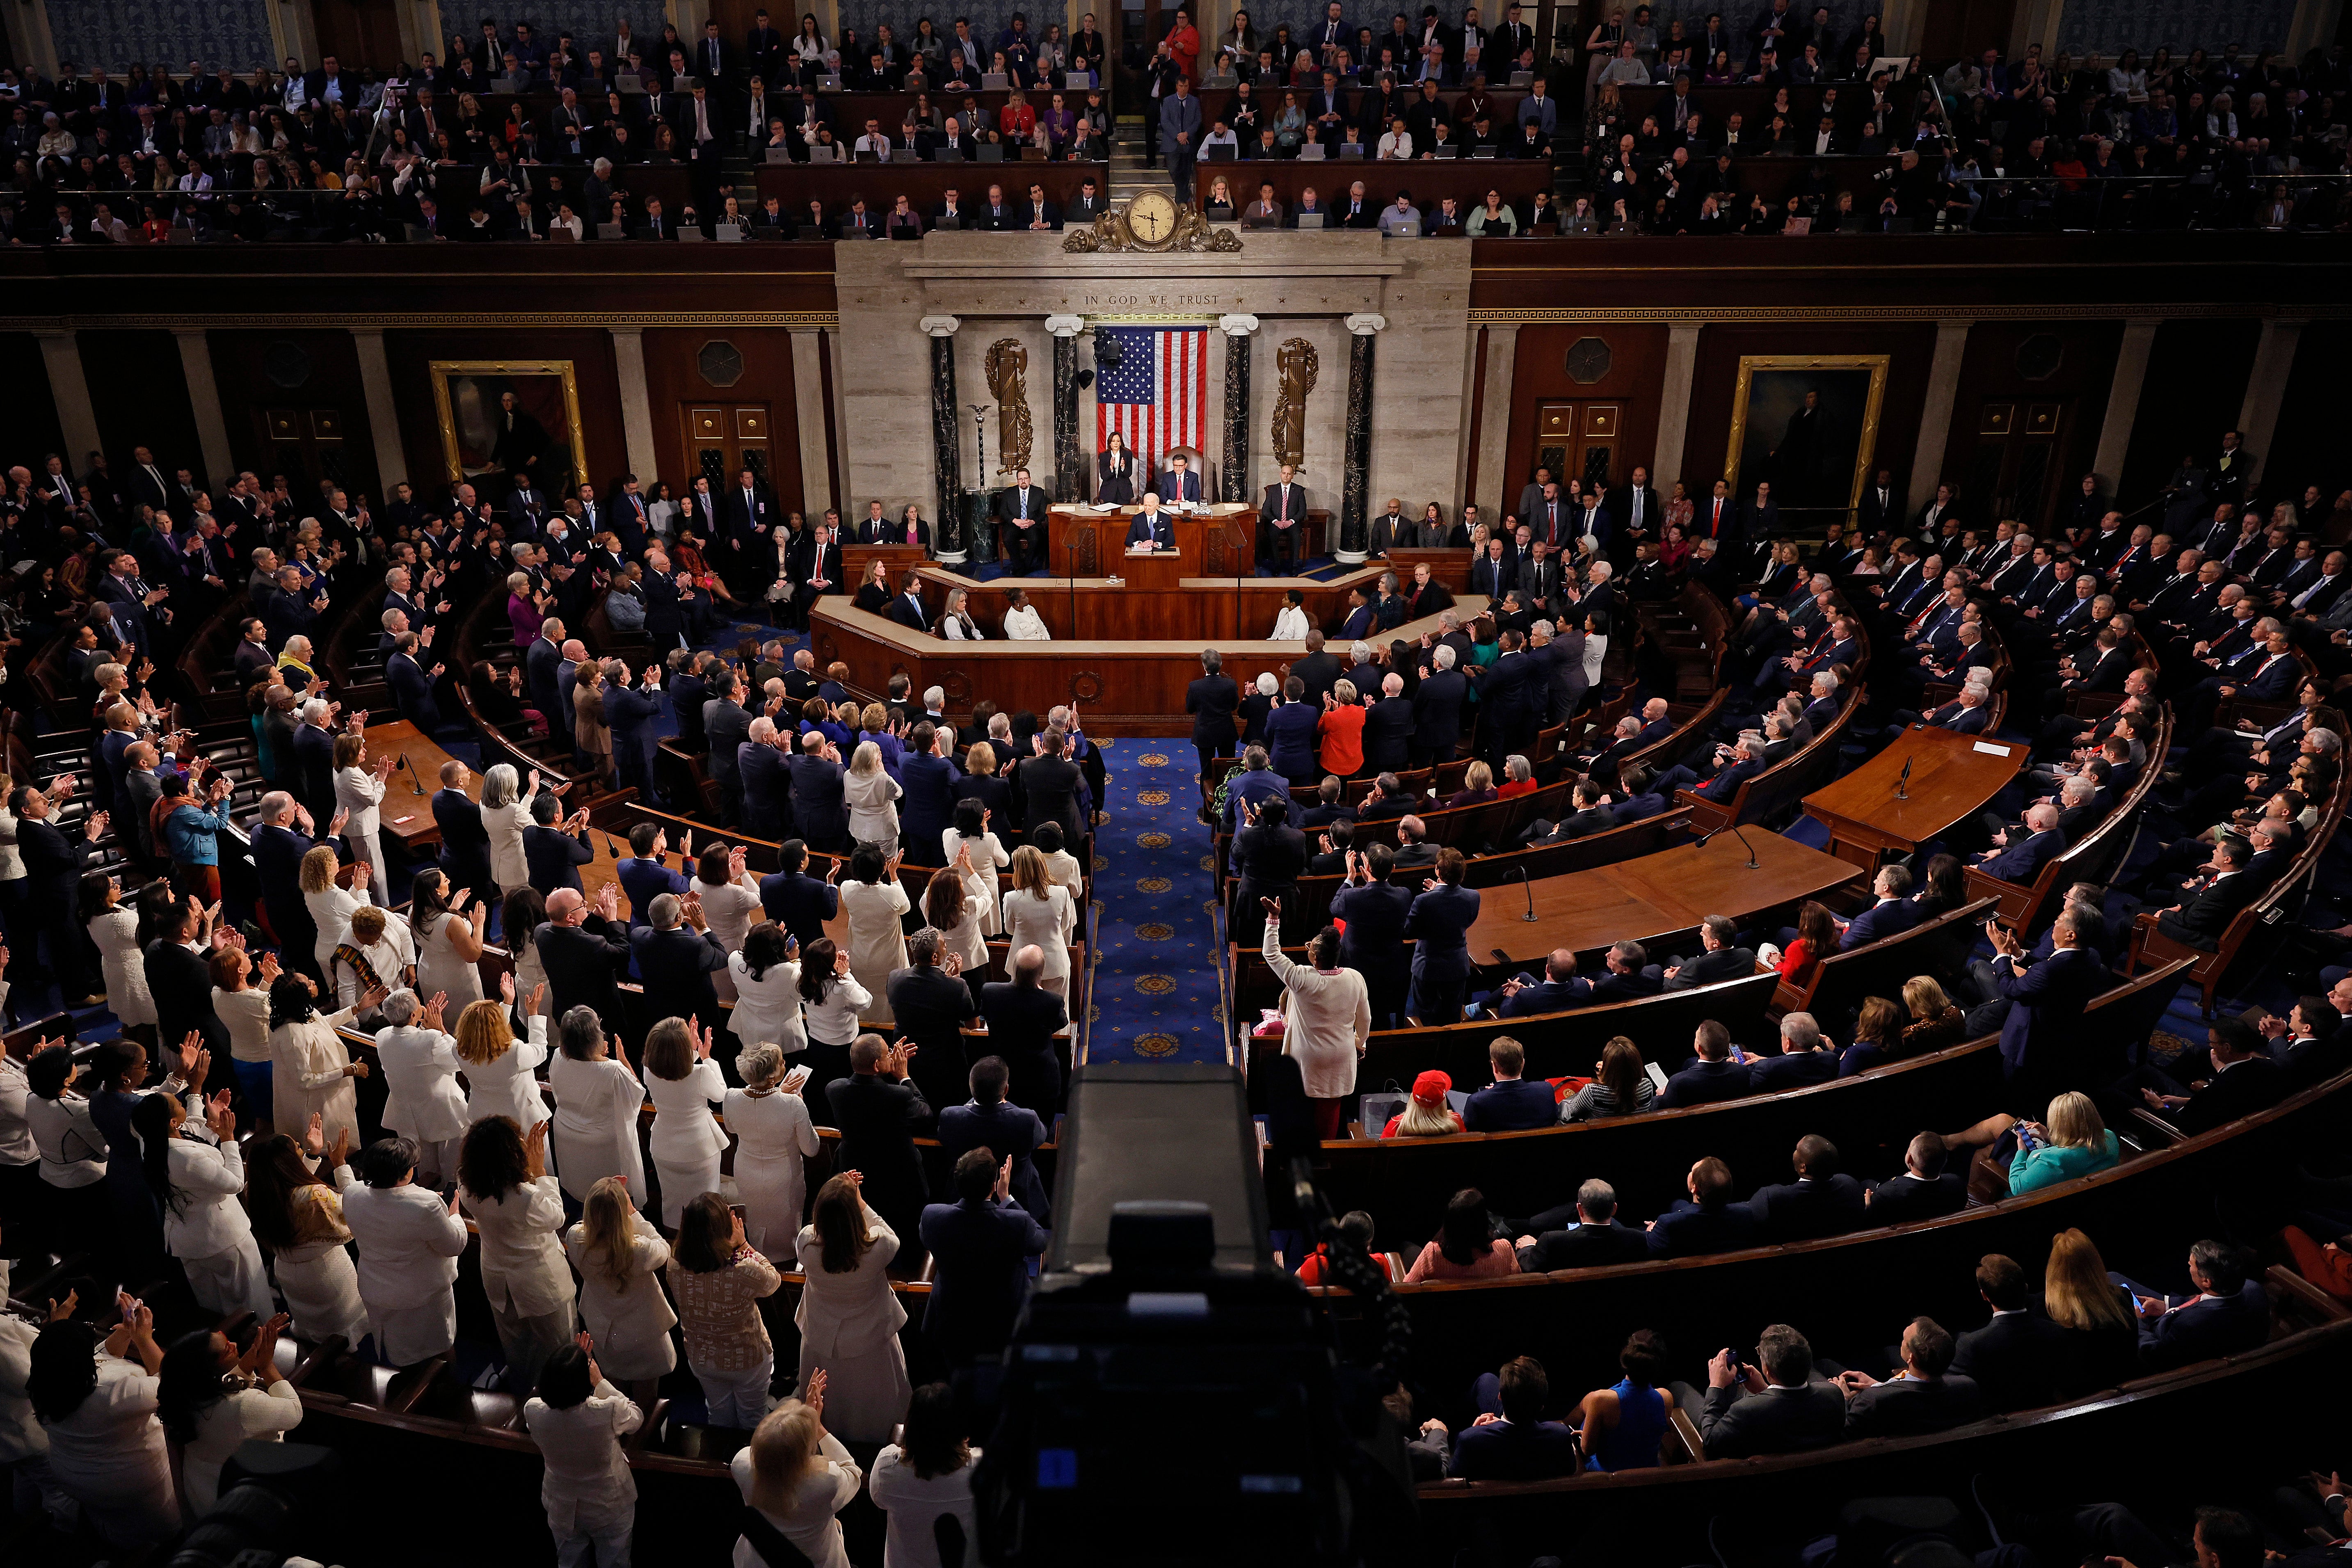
(899, 558)
(408, 816)
(1094, 545)
(1655, 896)
(1204, 609)
(1952, 776)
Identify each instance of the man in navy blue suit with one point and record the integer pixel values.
(988, 1121)
(465, 842)
(1560, 988)
(280, 842)
(1706, 1221)
(1374, 911)
(1821, 1201)
(797, 901)
(632, 714)
(2022, 861)
(2228, 1314)
(1518, 1444)
(1891, 915)
(643, 876)
(1714, 1077)
(1180, 482)
(767, 787)
(1807, 1057)
(1511, 1103)
(1438, 924)
(2037, 1037)
(1151, 526)
(982, 1245)
(1965, 714)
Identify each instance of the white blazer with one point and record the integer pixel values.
(505, 824)
(587, 1488)
(509, 1086)
(684, 1130)
(409, 1243)
(523, 1248)
(204, 1218)
(768, 1008)
(359, 792)
(846, 1315)
(420, 1081)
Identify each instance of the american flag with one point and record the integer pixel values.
(1156, 394)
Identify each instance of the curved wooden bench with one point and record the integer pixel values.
(1785, 783)
(1840, 981)
(2031, 907)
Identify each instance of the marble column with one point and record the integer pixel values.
(1355, 503)
(838, 442)
(2122, 400)
(69, 390)
(636, 401)
(204, 402)
(383, 410)
(1493, 490)
(1234, 462)
(1936, 418)
(2266, 390)
(808, 387)
(1674, 416)
(1069, 461)
(947, 446)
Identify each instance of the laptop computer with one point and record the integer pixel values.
(904, 155)
(559, 235)
(903, 233)
(1445, 150)
(1311, 152)
(1032, 154)
(1486, 152)
(510, 84)
(729, 233)
(603, 231)
(869, 156)
(947, 222)
(1078, 81)
(1351, 152)
(779, 155)
(828, 83)
(948, 155)
(628, 81)
(689, 234)
(1218, 153)
(851, 231)
(1522, 80)
(1409, 230)
(1307, 220)
(992, 152)
(995, 81)
(1226, 79)
(1797, 226)
(180, 236)
(825, 153)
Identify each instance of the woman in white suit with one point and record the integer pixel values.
(409, 1242)
(518, 1211)
(423, 1097)
(503, 1072)
(1039, 910)
(766, 982)
(506, 812)
(329, 902)
(620, 1256)
(115, 929)
(598, 1103)
(849, 1317)
(578, 1420)
(686, 1138)
(987, 857)
(359, 792)
(731, 902)
(297, 1207)
(771, 1121)
(197, 1184)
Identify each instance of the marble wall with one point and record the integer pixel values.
(1300, 286)
(114, 33)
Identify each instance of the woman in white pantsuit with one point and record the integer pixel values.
(1039, 910)
(409, 1242)
(775, 1134)
(299, 1212)
(597, 1102)
(849, 1317)
(359, 793)
(502, 1071)
(578, 1420)
(518, 1211)
(686, 1138)
(620, 1256)
(197, 1184)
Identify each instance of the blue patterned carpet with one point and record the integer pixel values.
(1155, 982)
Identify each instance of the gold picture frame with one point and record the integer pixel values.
(464, 390)
(1767, 383)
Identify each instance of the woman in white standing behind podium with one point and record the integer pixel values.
(1117, 471)
(687, 1140)
(359, 792)
(598, 1103)
(777, 1135)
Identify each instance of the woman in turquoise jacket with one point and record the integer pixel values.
(2074, 1143)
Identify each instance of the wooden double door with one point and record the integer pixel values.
(722, 439)
(2016, 469)
(1580, 443)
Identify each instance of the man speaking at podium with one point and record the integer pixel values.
(1150, 529)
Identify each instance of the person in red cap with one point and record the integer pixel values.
(1425, 1115)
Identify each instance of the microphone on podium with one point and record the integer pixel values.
(1903, 784)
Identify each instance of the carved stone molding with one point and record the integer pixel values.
(940, 326)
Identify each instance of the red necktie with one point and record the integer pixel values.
(1285, 504)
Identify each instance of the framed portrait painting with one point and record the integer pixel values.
(1808, 424)
(501, 417)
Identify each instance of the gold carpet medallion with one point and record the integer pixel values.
(1155, 1045)
(1155, 984)
(1153, 840)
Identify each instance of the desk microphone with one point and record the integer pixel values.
(1903, 784)
(1530, 888)
(1701, 841)
(414, 784)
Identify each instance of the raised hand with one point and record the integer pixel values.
(507, 988)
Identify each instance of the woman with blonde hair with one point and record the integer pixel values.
(2073, 1142)
(1936, 1020)
(849, 1317)
(1426, 1113)
(1478, 787)
(687, 1140)
(776, 1134)
(359, 791)
(873, 796)
(2101, 1349)
(1621, 1086)
(501, 1072)
(327, 894)
(620, 1256)
(797, 1477)
(1039, 911)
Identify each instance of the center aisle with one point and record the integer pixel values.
(1155, 981)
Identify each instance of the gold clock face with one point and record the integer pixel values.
(1151, 218)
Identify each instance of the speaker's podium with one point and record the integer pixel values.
(1217, 541)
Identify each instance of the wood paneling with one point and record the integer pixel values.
(31, 432)
(242, 366)
(1910, 347)
(141, 399)
(673, 381)
(411, 353)
(2308, 447)
(2197, 373)
(1540, 375)
(2009, 365)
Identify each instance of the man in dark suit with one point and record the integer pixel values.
(279, 841)
(2038, 1037)
(979, 1246)
(1720, 958)
(1374, 911)
(797, 901)
(553, 852)
(1517, 1444)
(1891, 915)
(1319, 671)
(539, 665)
(1807, 1058)
(2245, 1080)
(1437, 700)
(314, 761)
(1047, 785)
(2018, 1358)
(1510, 1103)
(2022, 861)
(747, 522)
(725, 725)
(1560, 989)
(878, 1112)
(1388, 727)
(1821, 1201)
(1438, 924)
(929, 1008)
(178, 965)
(643, 876)
(1925, 1398)
(583, 951)
(820, 807)
(1020, 509)
(1707, 1221)
(1022, 1019)
(1180, 482)
(1744, 1413)
(1282, 525)
(676, 953)
(1715, 1076)
(2205, 912)
(688, 690)
(1924, 1190)
(1007, 1132)
(2229, 1312)
(1212, 700)
(1588, 1236)
(465, 843)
